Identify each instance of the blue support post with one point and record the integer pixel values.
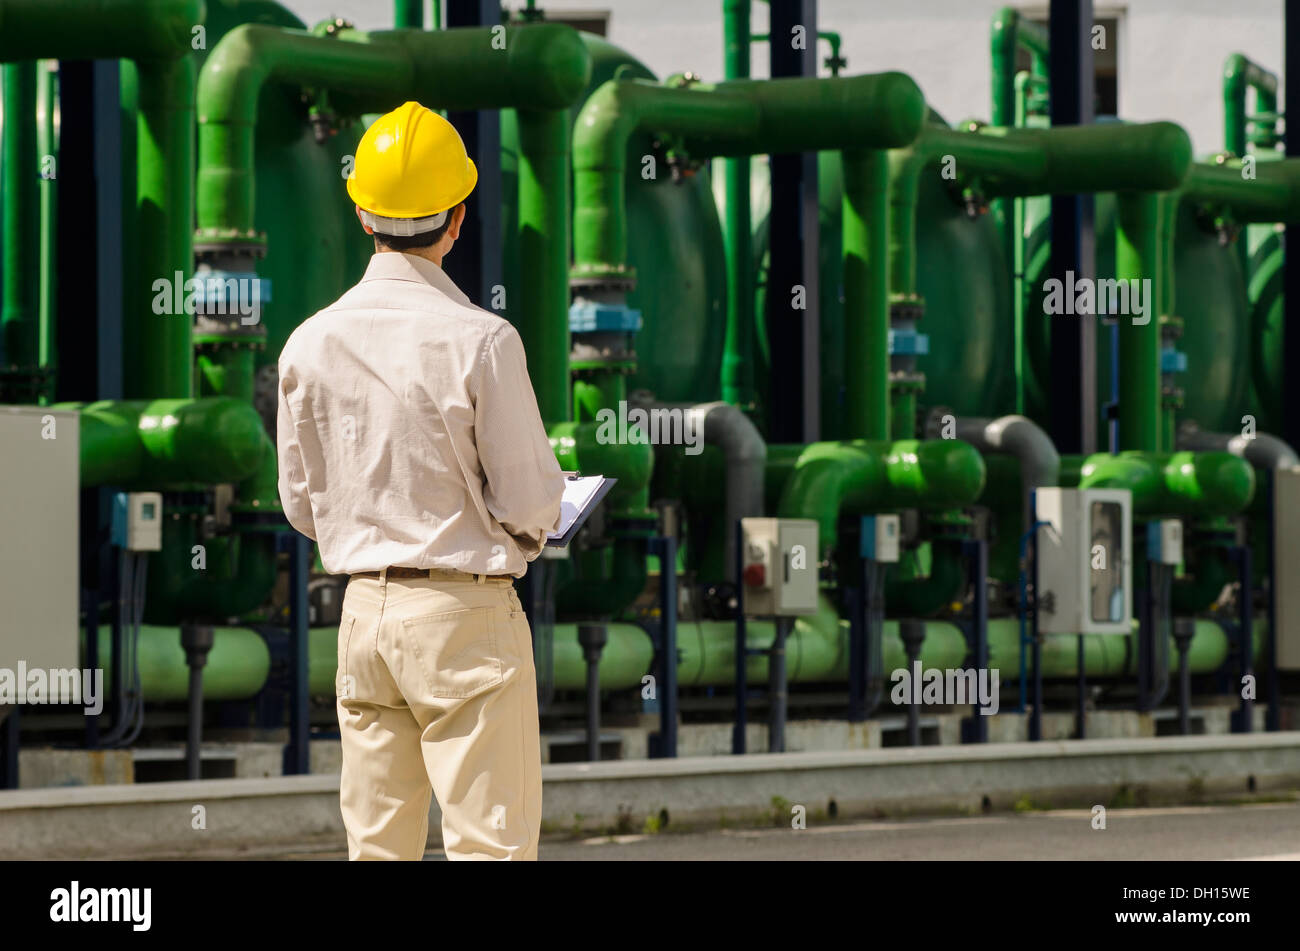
(975, 551)
(664, 743)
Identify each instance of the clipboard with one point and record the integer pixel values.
(581, 496)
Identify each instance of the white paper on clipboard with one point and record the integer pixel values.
(581, 495)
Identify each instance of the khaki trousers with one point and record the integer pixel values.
(437, 693)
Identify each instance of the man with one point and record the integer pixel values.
(412, 451)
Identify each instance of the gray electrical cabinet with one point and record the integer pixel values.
(779, 566)
(39, 502)
(1286, 565)
(1085, 561)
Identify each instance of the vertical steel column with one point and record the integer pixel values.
(1290, 395)
(476, 265)
(1073, 362)
(793, 332)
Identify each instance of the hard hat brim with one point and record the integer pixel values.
(368, 203)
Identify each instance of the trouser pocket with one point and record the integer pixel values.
(457, 651)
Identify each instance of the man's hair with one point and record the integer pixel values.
(396, 242)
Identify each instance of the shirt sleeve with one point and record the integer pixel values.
(523, 483)
(292, 473)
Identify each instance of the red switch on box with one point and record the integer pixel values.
(755, 576)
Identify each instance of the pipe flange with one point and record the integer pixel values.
(906, 309)
(906, 381)
(620, 280)
(223, 241)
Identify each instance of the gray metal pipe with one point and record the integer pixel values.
(1019, 436)
(1261, 450)
(726, 427)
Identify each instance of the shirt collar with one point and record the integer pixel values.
(399, 266)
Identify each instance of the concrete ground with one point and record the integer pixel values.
(1257, 831)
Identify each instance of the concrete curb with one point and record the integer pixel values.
(161, 818)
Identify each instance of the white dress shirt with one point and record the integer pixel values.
(408, 432)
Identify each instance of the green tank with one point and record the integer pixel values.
(1266, 259)
(1209, 296)
(961, 274)
(674, 242)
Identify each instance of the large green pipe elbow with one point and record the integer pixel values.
(98, 29)
(579, 447)
(542, 66)
(834, 478)
(150, 444)
(734, 118)
(1180, 483)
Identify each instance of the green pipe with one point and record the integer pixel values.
(1143, 231)
(157, 348)
(226, 369)
(735, 118)
(920, 597)
(738, 357)
(237, 666)
(160, 442)
(1239, 75)
(581, 447)
(817, 650)
(47, 145)
(1180, 483)
(865, 222)
(1151, 156)
(544, 226)
(20, 342)
(409, 14)
(1271, 195)
(828, 479)
(1011, 32)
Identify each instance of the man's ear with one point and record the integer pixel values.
(369, 230)
(457, 219)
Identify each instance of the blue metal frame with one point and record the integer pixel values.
(664, 743)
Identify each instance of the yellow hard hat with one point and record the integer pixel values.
(411, 166)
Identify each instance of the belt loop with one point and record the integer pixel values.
(383, 575)
(479, 579)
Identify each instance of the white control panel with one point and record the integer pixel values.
(779, 570)
(1085, 561)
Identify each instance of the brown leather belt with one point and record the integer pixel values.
(432, 574)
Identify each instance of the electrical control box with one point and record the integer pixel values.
(779, 566)
(1085, 561)
(137, 521)
(1286, 565)
(880, 535)
(1165, 541)
(40, 495)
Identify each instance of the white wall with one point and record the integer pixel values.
(1171, 51)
